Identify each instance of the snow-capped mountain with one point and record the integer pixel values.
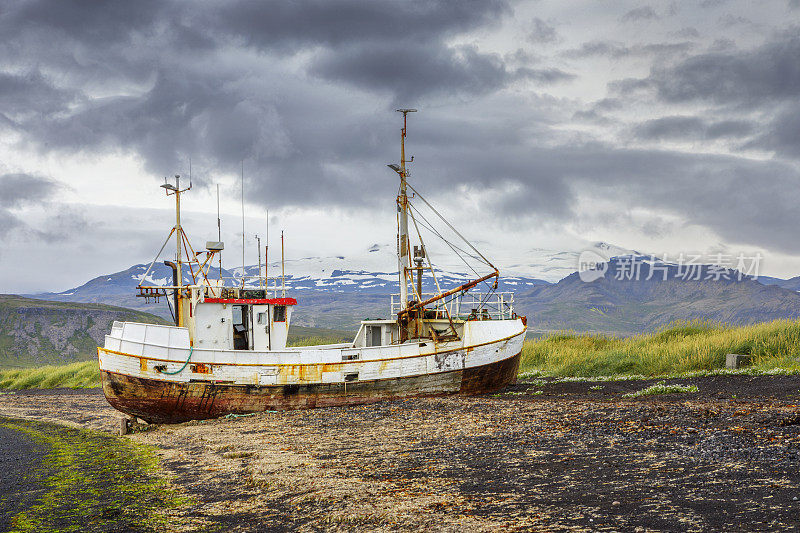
(372, 271)
(339, 291)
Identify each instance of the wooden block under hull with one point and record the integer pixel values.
(160, 401)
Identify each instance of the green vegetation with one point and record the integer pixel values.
(75, 376)
(89, 481)
(680, 349)
(36, 332)
(661, 388)
(308, 336)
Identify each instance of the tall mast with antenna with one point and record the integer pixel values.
(219, 235)
(266, 258)
(283, 271)
(176, 190)
(243, 271)
(403, 248)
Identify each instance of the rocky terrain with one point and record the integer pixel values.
(36, 332)
(543, 455)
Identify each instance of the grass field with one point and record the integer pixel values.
(75, 376)
(676, 349)
(308, 336)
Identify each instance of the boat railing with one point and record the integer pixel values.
(272, 285)
(467, 306)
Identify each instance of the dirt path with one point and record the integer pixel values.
(541, 456)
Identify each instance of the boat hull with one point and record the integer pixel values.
(160, 401)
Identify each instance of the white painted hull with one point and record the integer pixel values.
(138, 360)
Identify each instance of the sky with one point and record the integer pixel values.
(664, 127)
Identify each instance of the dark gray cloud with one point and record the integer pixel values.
(414, 70)
(729, 21)
(768, 72)
(31, 93)
(687, 33)
(541, 32)
(337, 23)
(639, 13)
(616, 49)
(689, 128)
(304, 93)
(713, 3)
(782, 134)
(19, 189)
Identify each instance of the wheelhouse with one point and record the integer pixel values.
(237, 319)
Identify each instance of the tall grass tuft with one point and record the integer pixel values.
(75, 376)
(677, 348)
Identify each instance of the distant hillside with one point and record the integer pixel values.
(330, 298)
(631, 306)
(338, 292)
(37, 332)
(793, 284)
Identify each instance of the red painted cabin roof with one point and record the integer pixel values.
(252, 301)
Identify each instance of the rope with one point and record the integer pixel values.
(191, 349)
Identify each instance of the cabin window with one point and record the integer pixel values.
(241, 339)
(279, 313)
(262, 319)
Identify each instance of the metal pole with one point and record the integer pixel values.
(283, 271)
(178, 237)
(258, 240)
(403, 251)
(243, 223)
(219, 236)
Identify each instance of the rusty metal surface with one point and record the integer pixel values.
(170, 402)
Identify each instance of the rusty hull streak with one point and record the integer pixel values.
(170, 402)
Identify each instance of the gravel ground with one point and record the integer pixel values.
(19, 456)
(541, 455)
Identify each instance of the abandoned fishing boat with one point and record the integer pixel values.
(227, 352)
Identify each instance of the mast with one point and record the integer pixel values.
(176, 190)
(283, 271)
(243, 269)
(219, 236)
(178, 231)
(258, 240)
(403, 251)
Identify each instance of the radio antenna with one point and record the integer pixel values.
(219, 235)
(258, 241)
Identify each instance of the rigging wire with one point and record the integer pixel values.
(455, 249)
(454, 230)
(429, 226)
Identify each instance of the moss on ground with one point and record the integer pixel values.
(89, 481)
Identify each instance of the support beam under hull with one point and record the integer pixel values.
(172, 402)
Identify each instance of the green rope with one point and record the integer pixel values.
(191, 349)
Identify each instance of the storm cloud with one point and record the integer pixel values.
(537, 105)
